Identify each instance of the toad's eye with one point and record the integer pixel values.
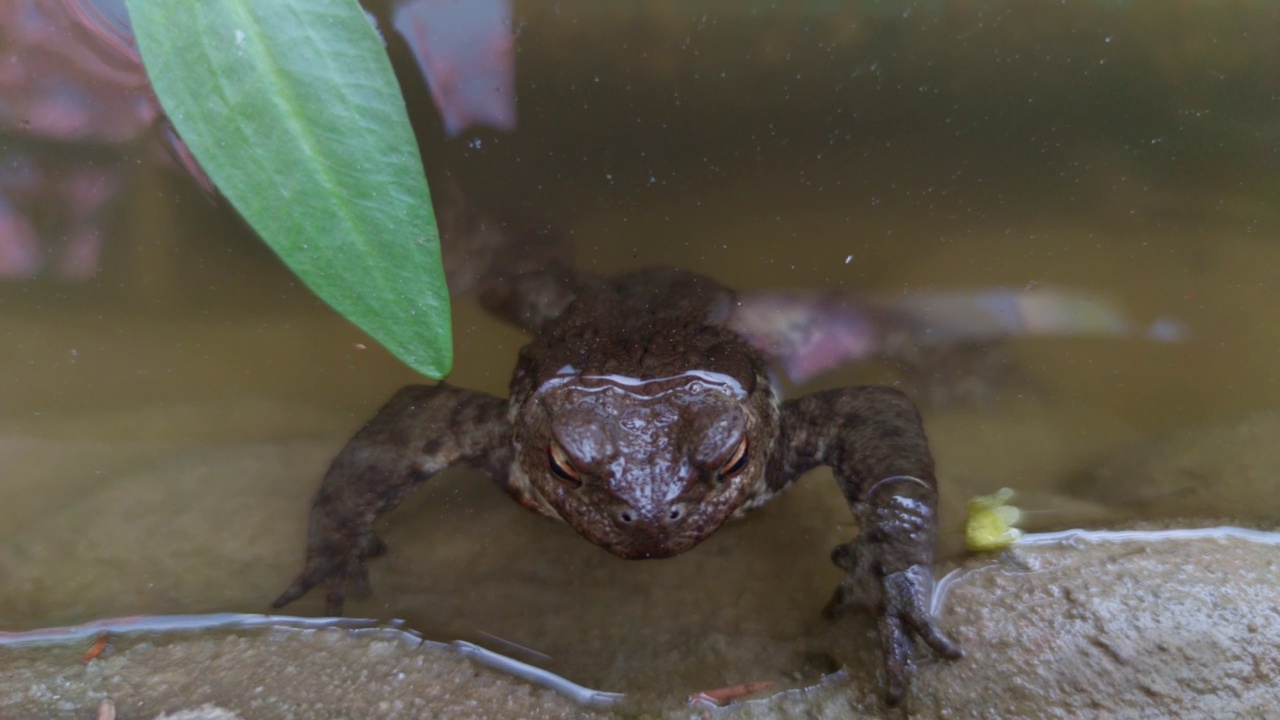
(562, 466)
(736, 463)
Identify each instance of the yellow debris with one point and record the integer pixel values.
(991, 522)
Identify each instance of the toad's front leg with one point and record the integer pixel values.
(419, 432)
(873, 441)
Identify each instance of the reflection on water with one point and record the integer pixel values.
(75, 88)
(165, 422)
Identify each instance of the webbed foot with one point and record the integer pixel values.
(338, 565)
(901, 602)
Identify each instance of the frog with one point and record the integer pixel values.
(640, 415)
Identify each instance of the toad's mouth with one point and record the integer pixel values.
(638, 546)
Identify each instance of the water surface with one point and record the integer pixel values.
(165, 422)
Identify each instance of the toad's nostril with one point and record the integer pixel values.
(626, 516)
(675, 513)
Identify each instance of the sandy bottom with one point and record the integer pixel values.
(1156, 623)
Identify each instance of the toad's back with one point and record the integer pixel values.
(652, 323)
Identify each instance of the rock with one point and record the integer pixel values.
(1161, 627)
(273, 674)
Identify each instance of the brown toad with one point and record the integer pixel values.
(641, 416)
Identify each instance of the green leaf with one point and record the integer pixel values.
(292, 108)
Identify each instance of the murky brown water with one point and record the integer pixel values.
(165, 423)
